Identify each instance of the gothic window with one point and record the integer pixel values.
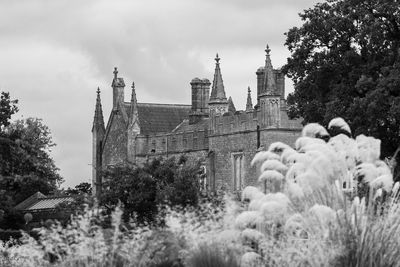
(237, 171)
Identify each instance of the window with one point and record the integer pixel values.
(237, 171)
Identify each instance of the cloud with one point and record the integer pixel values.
(54, 54)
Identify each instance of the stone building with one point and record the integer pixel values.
(210, 129)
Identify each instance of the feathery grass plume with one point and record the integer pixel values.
(366, 172)
(270, 175)
(314, 130)
(247, 219)
(306, 140)
(298, 158)
(250, 193)
(384, 181)
(347, 148)
(369, 148)
(278, 147)
(295, 170)
(214, 255)
(340, 124)
(263, 156)
(294, 190)
(251, 235)
(251, 259)
(286, 154)
(273, 164)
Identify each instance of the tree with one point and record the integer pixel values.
(8, 107)
(142, 189)
(345, 62)
(25, 163)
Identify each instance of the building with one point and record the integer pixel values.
(210, 129)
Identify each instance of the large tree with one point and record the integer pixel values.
(25, 163)
(345, 62)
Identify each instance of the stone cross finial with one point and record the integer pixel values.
(98, 90)
(248, 89)
(267, 50)
(217, 58)
(115, 72)
(133, 85)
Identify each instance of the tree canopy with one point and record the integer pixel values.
(142, 189)
(345, 62)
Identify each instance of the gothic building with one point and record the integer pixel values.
(210, 129)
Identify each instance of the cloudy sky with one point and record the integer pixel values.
(55, 53)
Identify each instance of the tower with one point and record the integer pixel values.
(133, 127)
(118, 86)
(269, 95)
(249, 103)
(98, 131)
(218, 104)
(200, 97)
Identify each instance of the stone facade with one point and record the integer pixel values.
(210, 129)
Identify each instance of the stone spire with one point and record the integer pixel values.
(134, 109)
(98, 121)
(249, 104)
(231, 106)
(269, 79)
(217, 91)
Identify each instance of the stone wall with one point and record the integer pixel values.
(115, 146)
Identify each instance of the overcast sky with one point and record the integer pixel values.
(54, 54)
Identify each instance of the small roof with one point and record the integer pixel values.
(39, 201)
(49, 203)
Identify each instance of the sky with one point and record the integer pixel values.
(55, 53)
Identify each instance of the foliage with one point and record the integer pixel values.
(25, 163)
(345, 62)
(80, 189)
(142, 190)
(8, 107)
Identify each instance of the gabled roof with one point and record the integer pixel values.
(39, 201)
(159, 118)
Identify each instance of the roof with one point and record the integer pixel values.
(160, 118)
(186, 127)
(39, 201)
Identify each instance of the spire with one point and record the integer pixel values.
(231, 106)
(115, 73)
(249, 104)
(217, 91)
(98, 113)
(134, 109)
(269, 79)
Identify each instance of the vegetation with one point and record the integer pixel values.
(142, 190)
(345, 62)
(25, 163)
(298, 216)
